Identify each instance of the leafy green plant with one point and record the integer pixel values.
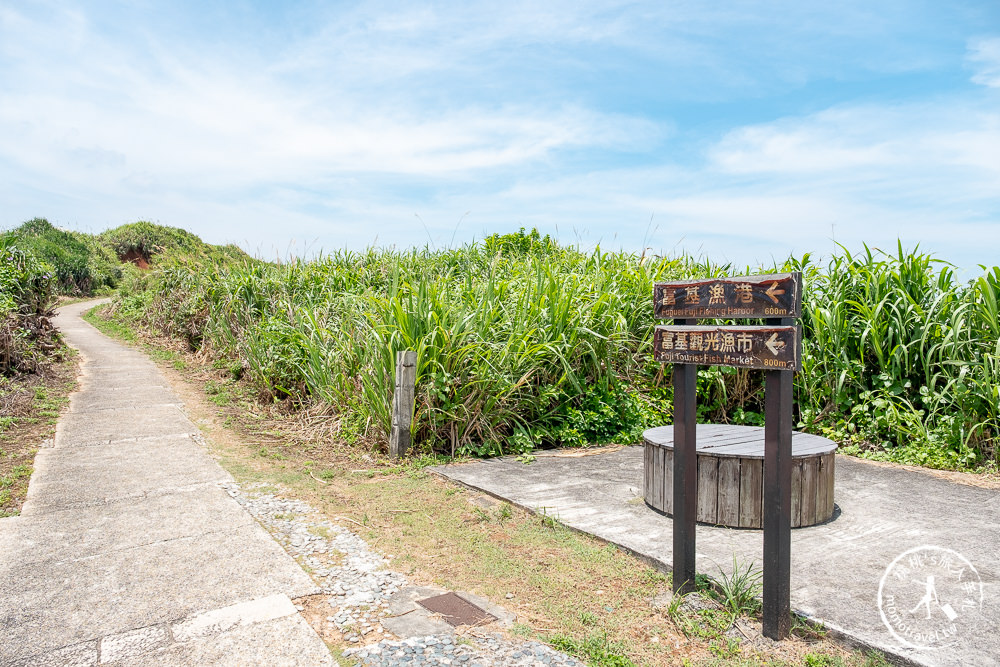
(738, 590)
(26, 334)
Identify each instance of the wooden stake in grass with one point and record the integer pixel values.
(402, 403)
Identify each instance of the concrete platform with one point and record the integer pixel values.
(891, 531)
(127, 552)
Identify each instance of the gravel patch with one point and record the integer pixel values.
(360, 586)
(486, 651)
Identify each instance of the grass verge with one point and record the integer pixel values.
(29, 407)
(572, 591)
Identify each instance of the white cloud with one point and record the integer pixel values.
(956, 142)
(984, 57)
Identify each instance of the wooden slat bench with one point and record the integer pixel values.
(731, 475)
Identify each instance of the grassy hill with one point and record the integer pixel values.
(79, 263)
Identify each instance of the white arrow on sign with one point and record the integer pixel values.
(771, 291)
(774, 344)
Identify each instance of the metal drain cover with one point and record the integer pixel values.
(456, 610)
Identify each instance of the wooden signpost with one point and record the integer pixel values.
(775, 348)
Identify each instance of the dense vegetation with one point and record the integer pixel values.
(25, 297)
(147, 240)
(523, 343)
(79, 262)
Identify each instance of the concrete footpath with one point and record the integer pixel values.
(910, 564)
(127, 551)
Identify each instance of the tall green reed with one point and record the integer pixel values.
(522, 343)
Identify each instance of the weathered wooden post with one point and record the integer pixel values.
(402, 403)
(685, 489)
(777, 499)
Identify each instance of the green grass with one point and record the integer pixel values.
(113, 328)
(18, 472)
(738, 591)
(596, 649)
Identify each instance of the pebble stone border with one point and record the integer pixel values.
(487, 651)
(360, 584)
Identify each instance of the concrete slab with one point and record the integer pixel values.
(837, 567)
(184, 512)
(70, 600)
(121, 424)
(277, 642)
(243, 613)
(120, 378)
(109, 398)
(407, 619)
(125, 535)
(252, 632)
(112, 355)
(100, 474)
(79, 655)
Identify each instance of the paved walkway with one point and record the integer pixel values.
(838, 568)
(127, 551)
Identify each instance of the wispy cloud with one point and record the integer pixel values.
(984, 57)
(929, 139)
(188, 121)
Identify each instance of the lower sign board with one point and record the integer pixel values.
(776, 348)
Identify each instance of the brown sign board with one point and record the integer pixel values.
(762, 296)
(772, 348)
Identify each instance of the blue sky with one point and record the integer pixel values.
(742, 131)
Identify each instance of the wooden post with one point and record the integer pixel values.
(685, 478)
(777, 502)
(402, 403)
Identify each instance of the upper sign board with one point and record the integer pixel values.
(770, 295)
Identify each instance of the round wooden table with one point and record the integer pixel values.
(731, 475)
